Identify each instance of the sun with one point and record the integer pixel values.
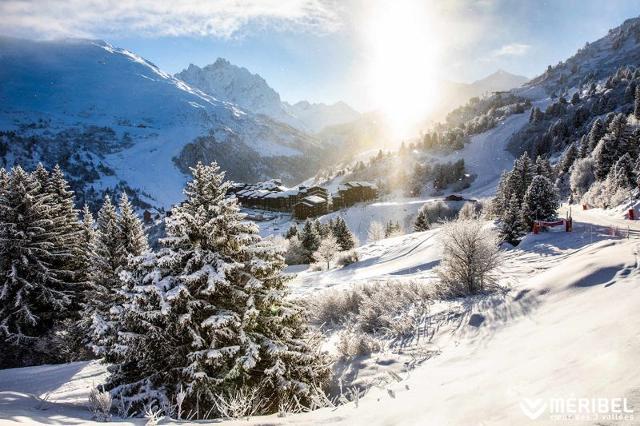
(402, 54)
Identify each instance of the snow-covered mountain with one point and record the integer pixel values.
(498, 81)
(318, 116)
(621, 46)
(231, 83)
(112, 118)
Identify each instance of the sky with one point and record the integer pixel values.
(364, 52)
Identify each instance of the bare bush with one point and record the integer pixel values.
(438, 211)
(100, 403)
(383, 308)
(376, 231)
(240, 403)
(470, 210)
(356, 343)
(470, 255)
(347, 258)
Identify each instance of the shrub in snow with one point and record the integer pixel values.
(347, 258)
(378, 309)
(355, 343)
(470, 210)
(438, 211)
(582, 176)
(375, 232)
(240, 403)
(100, 403)
(469, 258)
(392, 229)
(208, 314)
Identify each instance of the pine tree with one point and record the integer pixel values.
(604, 156)
(540, 201)
(636, 106)
(596, 133)
(519, 179)
(103, 300)
(132, 238)
(569, 157)
(209, 315)
(310, 238)
(584, 146)
(422, 220)
(291, 232)
(37, 292)
(512, 228)
(619, 131)
(345, 238)
(622, 172)
(543, 168)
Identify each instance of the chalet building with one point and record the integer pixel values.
(350, 193)
(310, 206)
(303, 201)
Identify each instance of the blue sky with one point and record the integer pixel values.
(316, 49)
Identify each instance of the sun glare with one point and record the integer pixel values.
(402, 52)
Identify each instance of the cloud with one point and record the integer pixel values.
(217, 18)
(512, 49)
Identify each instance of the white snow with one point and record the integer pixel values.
(567, 328)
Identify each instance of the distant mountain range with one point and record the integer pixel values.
(237, 85)
(115, 121)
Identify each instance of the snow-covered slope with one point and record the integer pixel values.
(251, 92)
(621, 46)
(111, 117)
(567, 329)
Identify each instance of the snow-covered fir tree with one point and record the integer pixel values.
(622, 173)
(540, 201)
(543, 168)
(102, 299)
(512, 228)
(131, 234)
(342, 233)
(208, 314)
(422, 220)
(38, 290)
(596, 133)
(309, 238)
(605, 156)
(117, 238)
(636, 104)
(291, 232)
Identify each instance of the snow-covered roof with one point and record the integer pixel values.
(314, 199)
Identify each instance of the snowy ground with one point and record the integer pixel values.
(567, 328)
